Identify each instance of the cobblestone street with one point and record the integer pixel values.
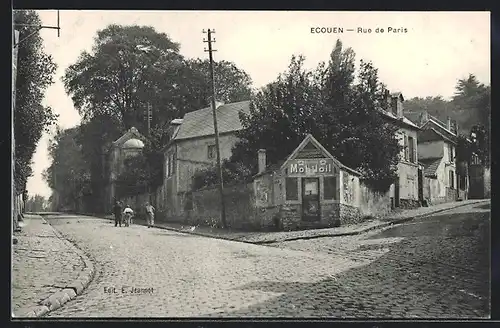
(437, 266)
(42, 264)
(432, 267)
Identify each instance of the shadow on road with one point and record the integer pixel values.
(440, 270)
(484, 206)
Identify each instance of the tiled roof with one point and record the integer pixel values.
(432, 134)
(413, 116)
(403, 120)
(201, 123)
(430, 166)
(440, 127)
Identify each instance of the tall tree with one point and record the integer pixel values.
(231, 83)
(34, 74)
(280, 117)
(129, 68)
(94, 139)
(344, 116)
(68, 174)
(473, 99)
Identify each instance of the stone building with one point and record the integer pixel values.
(405, 190)
(128, 145)
(192, 147)
(445, 180)
(309, 189)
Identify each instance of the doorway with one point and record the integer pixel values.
(310, 200)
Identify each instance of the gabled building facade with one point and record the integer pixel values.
(192, 147)
(128, 145)
(405, 190)
(445, 179)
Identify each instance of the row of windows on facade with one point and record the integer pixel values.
(170, 163)
(292, 188)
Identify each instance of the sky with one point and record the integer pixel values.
(423, 54)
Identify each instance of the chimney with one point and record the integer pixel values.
(424, 117)
(262, 160)
(394, 106)
(387, 100)
(456, 128)
(448, 123)
(399, 105)
(174, 126)
(217, 103)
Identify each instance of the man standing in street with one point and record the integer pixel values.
(150, 212)
(117, 209)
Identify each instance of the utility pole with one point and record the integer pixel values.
(216, 131)
(149, 117)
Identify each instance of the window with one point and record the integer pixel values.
(406, 147)
(452, 179)
(292, 188)
(411, 149)
(170, 165)
(451, 153)
(329, 188)
(211, 152)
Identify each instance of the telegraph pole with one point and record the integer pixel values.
(149, 117)
(216, 131)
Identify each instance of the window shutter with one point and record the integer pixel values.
(415, 153)
(406, 147)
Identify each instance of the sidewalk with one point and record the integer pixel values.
(47, 270)
(273, 237)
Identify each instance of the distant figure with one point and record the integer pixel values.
(128, 212)
(117, 210)
(150, 212)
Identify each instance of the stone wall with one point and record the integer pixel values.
(451, 195)
(241, 212)
(332, 215)
(374, 203)
(349, 215)
(291, 217)
(407, 204)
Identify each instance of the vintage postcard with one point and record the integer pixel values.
(251, 164)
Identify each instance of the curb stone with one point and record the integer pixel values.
(351, 233)
(361, 231)
(71, 290)
(340, 234)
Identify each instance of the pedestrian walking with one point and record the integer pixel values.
(128, 212)
(150, 212)
(117, 209)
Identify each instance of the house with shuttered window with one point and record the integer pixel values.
(404, 192)
(192, 147)
(444, 179)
